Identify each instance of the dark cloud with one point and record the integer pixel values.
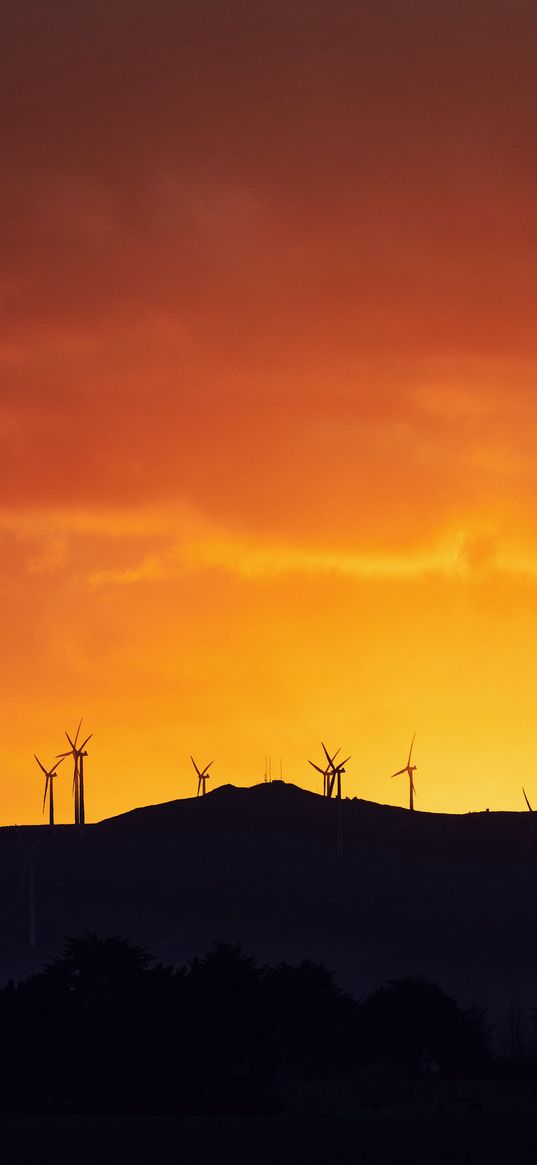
(354, 161)
(229, 229)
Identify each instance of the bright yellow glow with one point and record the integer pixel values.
(238, 649)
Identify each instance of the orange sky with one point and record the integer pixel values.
(268, 405)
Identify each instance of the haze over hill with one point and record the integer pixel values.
(452, 898)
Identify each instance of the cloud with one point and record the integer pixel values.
(277, 266)
(464, 555)
(263, 177)
(149, 545)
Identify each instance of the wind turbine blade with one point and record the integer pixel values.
(343, 762)
(411, 747)
(195, 766)
(526, 800)
(73, 746)
(329, 758)
(45, 793)
(81, 746)
(207, 767)
(323, 772)
(62, 755)
(398, 773)
(58, 762)
(78, 729)
(42, 767)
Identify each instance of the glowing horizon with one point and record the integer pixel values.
(267, 368)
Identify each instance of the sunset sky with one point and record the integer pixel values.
(268, 355)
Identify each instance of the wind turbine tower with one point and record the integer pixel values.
(77, 752)
(50, 774)
(202, 777)
(410, 770)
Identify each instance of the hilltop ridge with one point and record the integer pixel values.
(280, 791)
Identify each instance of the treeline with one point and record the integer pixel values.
(102, 1029)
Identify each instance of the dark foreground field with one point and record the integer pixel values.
(502, 1135)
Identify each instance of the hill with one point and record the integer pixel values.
(371, 890)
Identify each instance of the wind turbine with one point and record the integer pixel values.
(49, 787)
(410, 769)
(77, 752)
(334, 772)
(202, 777)
(526, 800)
(331, 773)
(323, 772)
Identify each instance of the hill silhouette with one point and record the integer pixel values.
(450, 898)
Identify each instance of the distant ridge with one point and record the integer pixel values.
(227, 795)
(279, 792)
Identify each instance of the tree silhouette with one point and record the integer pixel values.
(91, 1021)
(225, 1029)
(412, 1023)
(95, 972)
(313, 1022)
(101, 1028)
